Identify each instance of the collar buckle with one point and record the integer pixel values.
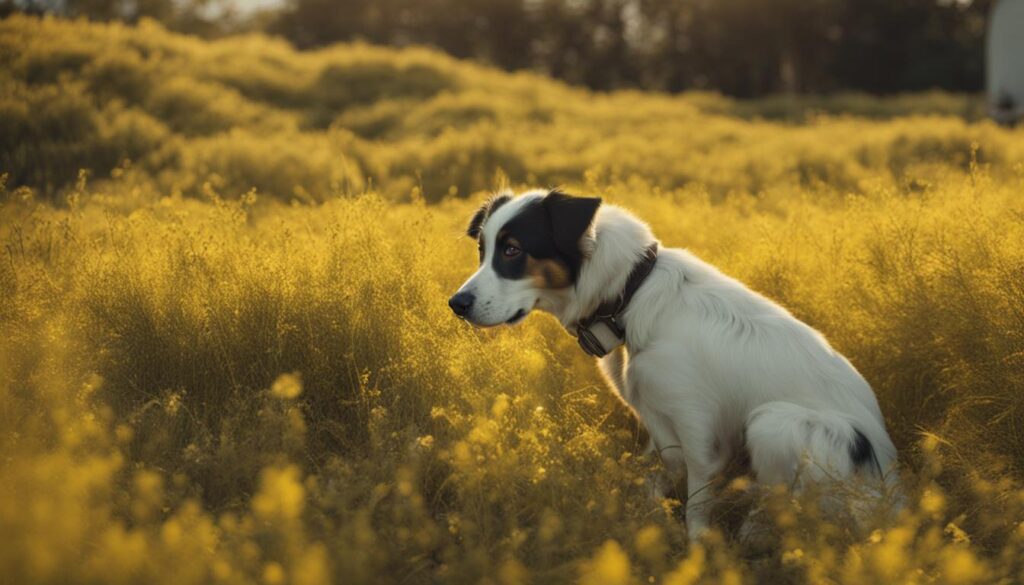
(598, 337)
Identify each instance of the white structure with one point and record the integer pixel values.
(1004, 68)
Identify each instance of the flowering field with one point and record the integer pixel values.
(226, 355)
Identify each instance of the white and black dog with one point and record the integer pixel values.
(710, 367)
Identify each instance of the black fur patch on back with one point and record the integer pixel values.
(476, 223)
(862, 453)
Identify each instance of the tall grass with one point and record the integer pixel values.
(230, 359)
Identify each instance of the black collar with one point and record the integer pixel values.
(603, 331)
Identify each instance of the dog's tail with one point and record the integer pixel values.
(790, 443)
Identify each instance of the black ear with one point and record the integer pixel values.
(570, 217)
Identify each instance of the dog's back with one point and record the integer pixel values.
(735, 351)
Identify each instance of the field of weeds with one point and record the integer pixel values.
(226, 355)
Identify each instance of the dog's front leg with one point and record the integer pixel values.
(679, 459)
(704, 460)
(663, 483)
(665, 446)
(699, 475)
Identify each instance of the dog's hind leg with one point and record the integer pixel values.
(797, 446)
(789, 444)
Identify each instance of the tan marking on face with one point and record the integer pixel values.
(547, 273)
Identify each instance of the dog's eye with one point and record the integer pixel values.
(511, 251)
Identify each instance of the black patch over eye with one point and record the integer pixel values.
(511, 251)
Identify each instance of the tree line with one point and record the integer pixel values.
(743, 48)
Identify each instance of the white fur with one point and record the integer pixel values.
(708, 363)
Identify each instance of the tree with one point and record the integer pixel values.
(743, 48)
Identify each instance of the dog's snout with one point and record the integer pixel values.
(461, 303)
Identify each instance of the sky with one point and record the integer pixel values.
(253, 5)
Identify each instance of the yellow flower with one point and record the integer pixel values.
(961, 566)
(500, 405)
(740, 484)
(890, 555)
(650, 544)
(957, 533)
(609, 566)
(690, 569)
(792, 557)
(281, 495)
(273, 574)
(287, 386)
(312, 567)
(512, 572)
(932, 502)
(149, 493)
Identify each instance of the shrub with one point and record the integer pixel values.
(291, 166)
(47, 134)
(361, 82)
(122, 74)
(458, 164)
(196, 108)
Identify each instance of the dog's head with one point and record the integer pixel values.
(531, 247)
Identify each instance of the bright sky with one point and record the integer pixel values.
(252, 5)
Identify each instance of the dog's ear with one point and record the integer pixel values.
(476, 223)
(570, 220)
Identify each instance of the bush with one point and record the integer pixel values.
(458, 164)
(290, 166)
(341, 86)
(47, 134)
(120, 75)
(196, 108)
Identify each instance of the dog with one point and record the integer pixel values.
(710, 367)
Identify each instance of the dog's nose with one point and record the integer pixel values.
(461, 303)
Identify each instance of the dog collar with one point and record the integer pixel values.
(603, 330)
